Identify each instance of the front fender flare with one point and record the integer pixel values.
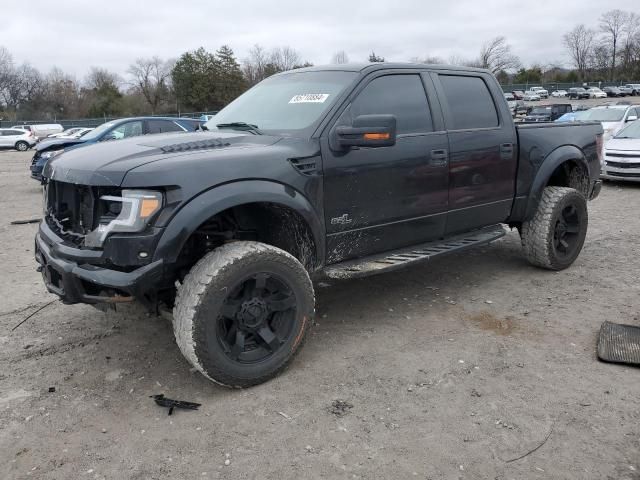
(566, 153)
(207, 204)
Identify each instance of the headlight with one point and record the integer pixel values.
(134, 209)
(50, 154)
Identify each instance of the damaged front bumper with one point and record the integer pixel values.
(80, 275)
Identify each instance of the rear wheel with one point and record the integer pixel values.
(22, 146)
(243, 312)
(554, 237)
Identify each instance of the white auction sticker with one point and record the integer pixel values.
(310, 98)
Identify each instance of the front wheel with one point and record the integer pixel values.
(242, 313)
(554, 237)
(22, 146)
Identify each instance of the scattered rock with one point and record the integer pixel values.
(475, 393)
(52, 389)
(227, 462)
(488, 302)
(340, 408)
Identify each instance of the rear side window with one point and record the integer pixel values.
(160, 126)
(399, 95)
(470, 103)
(11, 133)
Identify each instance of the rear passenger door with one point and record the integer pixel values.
(163, 126)
(483, 150)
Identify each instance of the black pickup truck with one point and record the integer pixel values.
(346, 170)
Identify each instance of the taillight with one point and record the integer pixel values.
(600, 149)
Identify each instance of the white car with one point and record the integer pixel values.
(42, 130)
(544, 93)
(559, 93)
(634, 87)
(531, 96)
(75, 132)
(17, 138)
(612, 117)
(622, 155)
(595, 92)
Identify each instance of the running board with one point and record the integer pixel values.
(387, 261)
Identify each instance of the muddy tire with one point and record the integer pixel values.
(243, 312)
(554, 237)
(22, 146)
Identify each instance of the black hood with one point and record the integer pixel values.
(107, 163)
(57, 143)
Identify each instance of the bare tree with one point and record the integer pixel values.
(429, 59)
(631, 33)
(340, 57)
(99, 78)
(579, 41)
(254, 66)
(151, 77)
(612, 24)
(285, 58)
(496, 55)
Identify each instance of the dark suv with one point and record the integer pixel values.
(578, 93)
(113, 130)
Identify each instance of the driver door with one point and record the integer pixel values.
(381, 198)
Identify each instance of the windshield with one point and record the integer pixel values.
(604, 114)
(285, 103)
(98, 131)
(630, 131)
(540, 111)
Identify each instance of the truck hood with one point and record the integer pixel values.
(106, 164)
(57, 143)
(631, 145)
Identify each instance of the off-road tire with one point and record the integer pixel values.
(22, 146)
(538, 234)
(202, 295)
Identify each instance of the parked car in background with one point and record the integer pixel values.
(595, 92)
(530, 96)
(518, 94)
(20, 139)
(622, 154)
(612, 117)
(42, 130)
(634, 87)
(578, 93)
(548, 113)
(206, 118)
(71, 132)
(626, 91)
(540, 91)
(520, 108)
(575, 116)
(509, 97)
(115, 130)
(559, 93)
(613, 92)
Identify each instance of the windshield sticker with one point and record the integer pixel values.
(310, 98)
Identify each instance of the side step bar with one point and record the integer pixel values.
(389, 261)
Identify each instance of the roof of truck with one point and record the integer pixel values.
(359, 67)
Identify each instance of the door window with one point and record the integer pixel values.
(129, 129)
(469, 101)
(399, 95)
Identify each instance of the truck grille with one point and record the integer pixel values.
(72, 211)
(622, 165)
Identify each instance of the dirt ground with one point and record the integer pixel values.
(453, 369)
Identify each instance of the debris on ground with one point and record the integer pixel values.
(340, 408)
(25, 222)
(52, 389)
(285, 415)
(163, 401)
(33, 313)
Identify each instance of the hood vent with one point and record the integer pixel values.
(198, 145)
(306, 166)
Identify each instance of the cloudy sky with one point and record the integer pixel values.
(75, 34)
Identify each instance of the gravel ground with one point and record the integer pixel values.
(448, 370)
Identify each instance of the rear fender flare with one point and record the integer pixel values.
(566, 153)
(211, 202)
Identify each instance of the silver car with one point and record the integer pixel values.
(622, 155)
(17, 138)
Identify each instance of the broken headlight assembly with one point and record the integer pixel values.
(129, 213)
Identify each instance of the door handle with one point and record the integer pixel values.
(439, 157)
(506, 151)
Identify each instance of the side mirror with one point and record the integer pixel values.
(367, 131)
(632, 118)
